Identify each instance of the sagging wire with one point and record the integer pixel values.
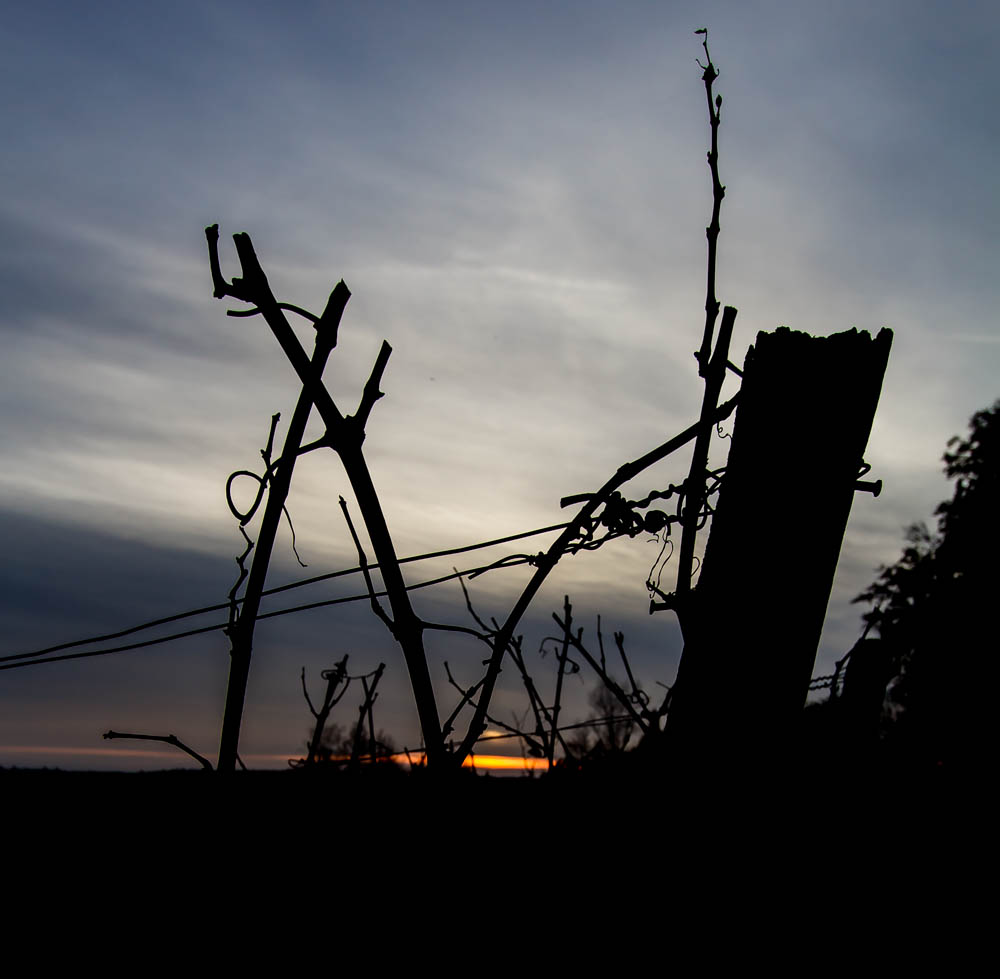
(35, 658)
(508, 561)
(164, 620)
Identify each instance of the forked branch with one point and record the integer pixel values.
(345, 436)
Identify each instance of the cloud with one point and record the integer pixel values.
(517, 198)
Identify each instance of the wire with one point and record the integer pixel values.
(34, 658)
(26, 661)
(108, 637)
(119, 649)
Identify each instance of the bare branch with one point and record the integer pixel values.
(305, 693)
(166, 739)
(253, 287)
(623, 698)
(547, 561)
(363, 561)
(637, 695)
(329, 323)
(468, 604)
(334, 678)
(557, 701)
(220, 288)
(365, 714)
(710, 73)
(346, 440)
(465, 630)
(291, 307)
(371, 393)
(467, 696)
(541, 712)
(694, 487)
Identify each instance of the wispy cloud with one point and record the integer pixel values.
(517, 198)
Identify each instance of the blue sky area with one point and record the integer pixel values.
(516, 195)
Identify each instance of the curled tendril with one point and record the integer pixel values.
(570, 665)
(662, 562)
(639, 697)
(245, 516)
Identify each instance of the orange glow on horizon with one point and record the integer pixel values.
(507, 763)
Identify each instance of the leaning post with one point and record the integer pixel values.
(752, 624)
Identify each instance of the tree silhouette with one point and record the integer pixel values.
(934, 607)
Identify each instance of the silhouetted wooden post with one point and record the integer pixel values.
(753, 623)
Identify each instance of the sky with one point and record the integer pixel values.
(516, 195)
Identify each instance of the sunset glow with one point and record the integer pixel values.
(497, 763)
(46, 753)
(506, 763)
(496, 184)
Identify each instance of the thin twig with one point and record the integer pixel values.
(334, 678)
(468, 603)
(709, 74)
(541, 712)
(363, 562)
(166, 739)
(557, 701)
(365, 714)
(637, 695)
(371, 393)
(467, 696)
(305, 693)
(606, 678)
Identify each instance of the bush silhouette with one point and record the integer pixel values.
(934, 607)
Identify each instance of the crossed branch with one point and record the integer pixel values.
(345, 435)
